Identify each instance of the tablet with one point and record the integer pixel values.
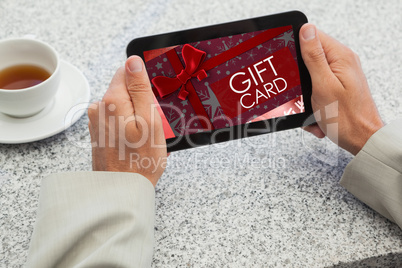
(228, 81)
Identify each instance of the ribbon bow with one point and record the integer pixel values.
(193, 58)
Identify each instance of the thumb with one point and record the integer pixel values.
(313, 53)
(139, 87)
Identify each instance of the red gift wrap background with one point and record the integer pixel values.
(260, 58)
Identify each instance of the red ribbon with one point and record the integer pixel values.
(193, 58)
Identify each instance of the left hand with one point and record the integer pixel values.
(126, 128)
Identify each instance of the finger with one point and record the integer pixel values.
(116, 99)
(93, 111)
(344, 63)
(334, 50)
(117, 86)
(139, 87)
(93, 115)
(315, 130)
(313, 53)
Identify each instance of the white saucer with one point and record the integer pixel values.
(66, 108)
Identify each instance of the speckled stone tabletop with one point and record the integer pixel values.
(268, 201)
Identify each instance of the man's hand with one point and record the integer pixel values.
(340, 91)
(126, 128)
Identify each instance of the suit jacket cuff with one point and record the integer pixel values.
(94, 219)
(375, 175)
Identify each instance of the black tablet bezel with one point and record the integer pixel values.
(294, 18)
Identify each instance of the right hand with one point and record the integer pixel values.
(340, 94)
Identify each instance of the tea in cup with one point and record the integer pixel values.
(29, 76)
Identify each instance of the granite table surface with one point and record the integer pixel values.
(267, 201)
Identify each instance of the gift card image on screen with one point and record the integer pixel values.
(207, 88)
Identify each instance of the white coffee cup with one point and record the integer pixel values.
(31, 100)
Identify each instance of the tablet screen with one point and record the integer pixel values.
(227, 81)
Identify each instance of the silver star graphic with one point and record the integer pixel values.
(286, 37)
(265, 107)
(158, 65)
(251, 55)
(218, 72)
(176, 125)
(259, 46)
(184, 103)
(209, 43)
(269, 50)
(212, 101)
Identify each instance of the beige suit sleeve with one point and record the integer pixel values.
(375, 175)
(94, 219)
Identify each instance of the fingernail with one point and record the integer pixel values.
(135, 64)
(309, 33)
